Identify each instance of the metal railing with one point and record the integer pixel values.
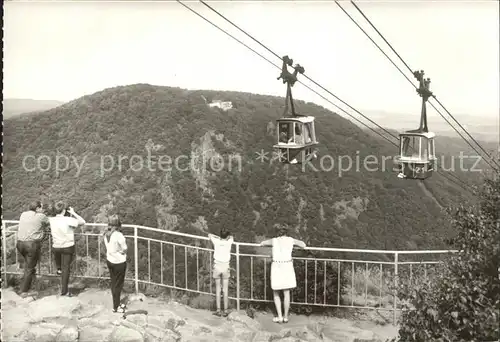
(326, 277)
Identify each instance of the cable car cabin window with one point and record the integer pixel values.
(410, 147)
(432, 151)
(424, 149)
(285, 133)
(299, 133)
(308, 132)
(417, 147)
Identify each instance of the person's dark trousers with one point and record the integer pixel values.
(117, 275)
(57, 259)
(30, 250)
(63, 259)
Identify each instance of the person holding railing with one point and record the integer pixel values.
(63, 241)
(282, 271)
(30, 234)
(222, 256)
(116, 256)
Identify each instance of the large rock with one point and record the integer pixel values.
(88, 318)
(68, 334)
(124, 334)
(344, 331)
(92, 333)
(140, 320)
(45, 332)
(154, 333)
(244, 319)
(194, 331)
(265, 336)
(246, 336)
(14, 322)
(304, 334)
(88, 311)
(53, 307)
(317, 328)
(12, 299)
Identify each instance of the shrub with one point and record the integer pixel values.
(312, 284)
(462, 303)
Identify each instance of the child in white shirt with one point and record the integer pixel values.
(222, 256)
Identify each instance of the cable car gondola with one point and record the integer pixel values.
(417, 154)
(296, 135)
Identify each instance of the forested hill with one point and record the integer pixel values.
(142, 123)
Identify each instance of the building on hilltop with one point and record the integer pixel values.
(224, 105)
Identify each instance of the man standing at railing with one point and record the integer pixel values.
(29, 241)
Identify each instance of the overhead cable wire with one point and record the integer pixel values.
(279, 57)
(459, 182)
(305, 85)
(409, 80)
(380, 34)
(448, 122)
(411, 71)
(307, 77)
(470, 136)
(239, 41)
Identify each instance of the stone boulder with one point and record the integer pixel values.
(88, 317)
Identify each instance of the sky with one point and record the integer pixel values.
(62, 51)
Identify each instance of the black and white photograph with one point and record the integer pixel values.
(279, 170)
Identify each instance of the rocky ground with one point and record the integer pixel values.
(88, 317)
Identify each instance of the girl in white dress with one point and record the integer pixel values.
(282, 272)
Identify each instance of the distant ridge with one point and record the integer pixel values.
(15, 107)
(481, 127)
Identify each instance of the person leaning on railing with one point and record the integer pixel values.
(116, 256)
(282, 272)
(63, 241)
(30, 235)
(222, 257)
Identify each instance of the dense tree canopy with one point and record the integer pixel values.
(463, 302)
(105, 141)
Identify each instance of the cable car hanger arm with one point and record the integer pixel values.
(290, 80)
(424, 91)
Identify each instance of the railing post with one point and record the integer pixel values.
(4, 254)
(394, 320)
(237, 277)
(136, 261)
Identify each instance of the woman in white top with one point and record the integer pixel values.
(116, 256)
(282, 272)
(62, 227)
